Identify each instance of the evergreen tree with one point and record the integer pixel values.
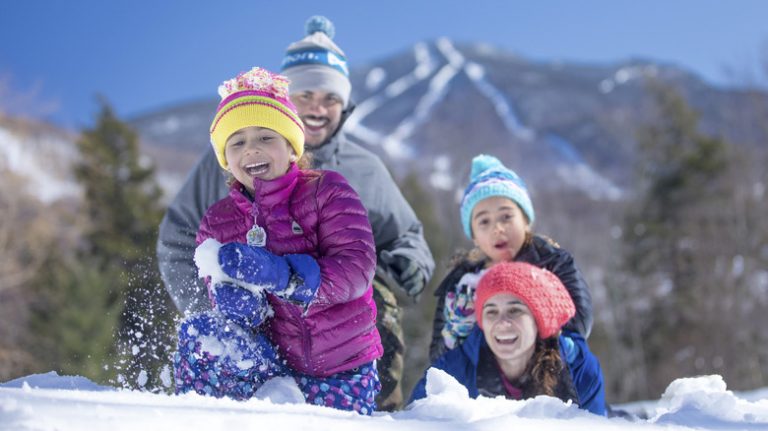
(676, 235)
(75, 319)
(113, 278)
(124, 211)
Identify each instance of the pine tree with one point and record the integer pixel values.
(675, 236)
(75, 319)
(123, 204)
(113, 279)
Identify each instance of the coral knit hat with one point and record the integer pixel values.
(540, 290)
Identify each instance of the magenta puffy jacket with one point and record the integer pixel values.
(318, 213)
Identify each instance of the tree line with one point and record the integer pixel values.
(686, 285)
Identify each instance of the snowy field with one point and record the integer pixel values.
(52, 402)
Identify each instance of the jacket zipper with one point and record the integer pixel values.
(304, 335)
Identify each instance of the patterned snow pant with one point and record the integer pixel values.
(220, 359)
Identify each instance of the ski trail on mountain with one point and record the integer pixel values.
(395, 144)
(570, 166)
(506, 113)
(424, 68)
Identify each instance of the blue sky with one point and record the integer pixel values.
(55, 56)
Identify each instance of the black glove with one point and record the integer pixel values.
(406, 271)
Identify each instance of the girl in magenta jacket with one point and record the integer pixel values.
(289, 258)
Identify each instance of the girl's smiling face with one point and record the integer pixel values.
(499, 228)
(257, 152)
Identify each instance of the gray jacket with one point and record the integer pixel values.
(395, 226)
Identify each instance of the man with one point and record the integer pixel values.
(320, 89)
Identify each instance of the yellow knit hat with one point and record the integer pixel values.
(255, 98)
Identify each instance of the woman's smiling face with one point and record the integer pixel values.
(509, 328)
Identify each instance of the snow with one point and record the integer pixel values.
(354, 126)
(626, 74)
(503, 108)
(19, 151)
(375, 78)
(53, 402)
(571, 167)
(441, 176)
(395, 144)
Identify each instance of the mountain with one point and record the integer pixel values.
(430, 109)
(568, 129)
(40, 153)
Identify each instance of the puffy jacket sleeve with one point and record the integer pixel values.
(396, 228)
(569, 274)
(586, 374)
(176, 240)
(346, 255)
(437, 346)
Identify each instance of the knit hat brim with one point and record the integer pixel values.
(540, 290)
(254, 111)
(506, 189)
(316, 77)
(489, 177)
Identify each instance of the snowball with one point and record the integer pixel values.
(440, 383)
(704, 400)
(280, 390)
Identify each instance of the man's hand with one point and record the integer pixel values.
(406, 271)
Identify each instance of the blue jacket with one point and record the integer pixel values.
(541, 252)
(462, 363)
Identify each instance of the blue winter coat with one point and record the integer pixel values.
(541, 252)
(462, 364)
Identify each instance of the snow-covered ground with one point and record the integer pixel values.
(52, 402)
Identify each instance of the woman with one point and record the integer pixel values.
(497, 214)
(517, 350)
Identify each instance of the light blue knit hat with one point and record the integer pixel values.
(489, 177)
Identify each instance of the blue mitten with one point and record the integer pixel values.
(236, 366)
(570, 348)
(240, 305)
(305, 279)
(295, 277)
(254, 265)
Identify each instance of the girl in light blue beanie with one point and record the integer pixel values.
(497, 215)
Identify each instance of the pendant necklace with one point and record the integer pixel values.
(256, 236)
